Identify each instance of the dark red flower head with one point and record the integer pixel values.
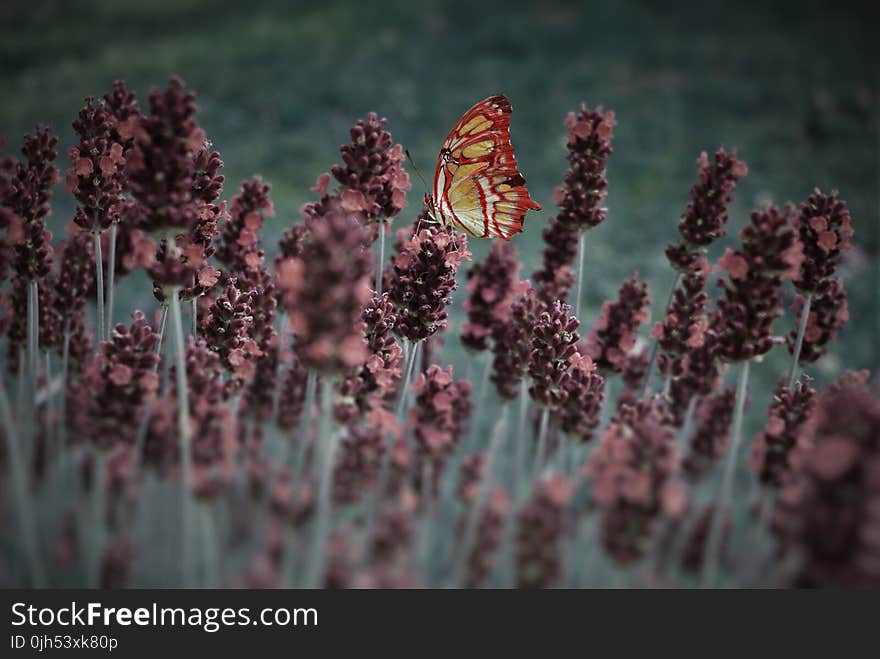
(554, 339)
(492, 286)
(824, 225)
(614, 335)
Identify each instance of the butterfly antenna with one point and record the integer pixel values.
(416, 169)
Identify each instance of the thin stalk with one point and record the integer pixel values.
(184, 435)
(305, 424)
(326, 446)
(799, 343)
(542, 441)
(580, 257)
(712, 558)
(33, 339)
(496, 448)
(517, 472)
(654, 345)
(111, 277)
(18, 472)
(481, 396)
(381, 262)
(411, 352)
(97, 531)
(99, 285)
(194, 313)
(62, 404)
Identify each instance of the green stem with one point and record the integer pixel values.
(111, 277)
(580, 269)
(183, 428)
(62, 405)
(518, 471)
(381, 258)
(654, 343)
(799, 343)
(99, 286)
(410, 350)
(18, 472)
(712, 557)
(542, 441)
(327, 443)
(33, 340)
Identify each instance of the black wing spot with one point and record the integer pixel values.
(515, 181)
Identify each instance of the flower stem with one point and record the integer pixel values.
(18, 476)
(411, 351)
(327, 443)
(799, 343)
(184, 434)
(712, 558)
(517, 473)
(580, 257)
(542, 440)
(99, 286)
(111, 277)
(62, 405)
(33, 340)
(381, 262)
(654, 343)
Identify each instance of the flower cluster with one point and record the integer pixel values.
(112, 393)
(238, 247)
(97, 167)
(770, 254)
(774, 447)
(703, 221)
(580, 199)
(633, 471)
(357, 465)
(374, 382)
(489, 533)
(492, 286)
(614, 335)
(372, 175)
(324, 290)
(825, 228)
(685, 324)
(424, 279)
(512, 343)
(709, 440)
(540, 529)
(554, 340)
(827, 519)
(584, 395)
(828, 315)
(74, 280)
(442, 408)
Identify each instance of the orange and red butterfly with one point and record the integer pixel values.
(477, 187)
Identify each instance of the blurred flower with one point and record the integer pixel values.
(226, 329)
(112, 394)
(424, 279)
(72, 284)
(554, 337)
(829, 313)
(324, 291)
(540, 529)
(824, 226)
(374, 381)
(770, 254)
(614, 335)
(491, 287)
(554, 279)
(238, 247)
(685, 324)
(357, 464)
(827, 520)
(512, 343)
(709, 440)
(439, 416)
(293, 395)
(584, 395)
(633, 471)
(487, 540)
(773, 447)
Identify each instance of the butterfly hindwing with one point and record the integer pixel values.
(477, 186)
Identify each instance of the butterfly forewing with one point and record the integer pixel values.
(477, 186)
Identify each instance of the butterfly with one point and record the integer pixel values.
(477, 187)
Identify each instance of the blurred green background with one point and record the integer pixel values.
(792, 86)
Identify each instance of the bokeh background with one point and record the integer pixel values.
(792, 86)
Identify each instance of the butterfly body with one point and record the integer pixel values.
(477, 186)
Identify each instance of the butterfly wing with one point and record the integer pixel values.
(477, 186)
